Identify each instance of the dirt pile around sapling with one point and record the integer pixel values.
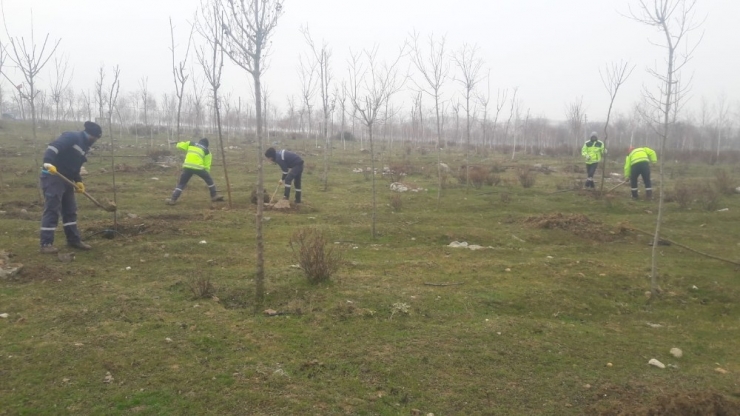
(681, 404)
(577, 224)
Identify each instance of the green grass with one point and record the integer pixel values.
(524, 327)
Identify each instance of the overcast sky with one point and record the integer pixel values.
(551, 50)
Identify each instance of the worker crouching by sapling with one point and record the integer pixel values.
(292, 167)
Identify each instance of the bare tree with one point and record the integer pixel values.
(112, 102)
(574, 114)
(248, 25)
(29, 59)
(377, 83)
(100, 97)
(322, 57)
(723, 111)
(341, 95)
(675, 19)
(434, 68)
(512, 112)
(2, 100)
(198, 112)
(517, 107)
(613, 77)
(86, 104)
(212, 62)
(500, 103)
(307, 72)
(145, 98)
(60, 85)
(484, 100)
(469, 65)
(179, 75)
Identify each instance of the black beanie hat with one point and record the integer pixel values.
(204, 142)
(270, 153)
(93, 129)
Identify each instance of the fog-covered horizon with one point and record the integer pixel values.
(552, 52)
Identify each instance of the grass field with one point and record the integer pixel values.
(551, 317)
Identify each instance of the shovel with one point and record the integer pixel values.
(616, 186)
(110, 207)
(275, 193)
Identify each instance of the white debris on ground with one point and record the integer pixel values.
(676, 352)
(83, 171)
(444, 167)
(400, 187)
(464, 244)
(656, 363)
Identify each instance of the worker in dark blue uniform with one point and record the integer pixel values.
(292, 167)
(65, 156)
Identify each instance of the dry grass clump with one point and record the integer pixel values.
(527, 177)
(317, 258)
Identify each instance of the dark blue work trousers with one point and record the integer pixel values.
(59, 197)
(293, 179)
(185, 178)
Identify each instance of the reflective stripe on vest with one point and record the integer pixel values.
(638, 155)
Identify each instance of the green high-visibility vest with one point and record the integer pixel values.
(640, 154)
(198, 157)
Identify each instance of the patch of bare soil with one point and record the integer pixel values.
(577, 224)
(131, 228)
(701, 403)
(173, 216)
(39, 272)
(19, 204)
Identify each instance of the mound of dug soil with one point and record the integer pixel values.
(578, 224)
(683, 404)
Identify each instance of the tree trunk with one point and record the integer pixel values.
(260, 274)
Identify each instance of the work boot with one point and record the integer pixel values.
(170, 201)
(217, 198)
(48, 250)
(80, 245)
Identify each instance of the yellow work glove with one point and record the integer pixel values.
(51, 168)
(280, 182)
(79, 187)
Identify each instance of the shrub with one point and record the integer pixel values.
(201, 287)
(683, 194)
(724, 182)
(396, 202)
(493, 179)
(477, 176)
(527, 177)
(709, 198)
(318, 260)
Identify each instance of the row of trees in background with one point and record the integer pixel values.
(714, 128)
(419, 113)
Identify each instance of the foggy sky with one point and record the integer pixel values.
(551, 50)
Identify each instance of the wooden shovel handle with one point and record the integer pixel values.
(84, 192)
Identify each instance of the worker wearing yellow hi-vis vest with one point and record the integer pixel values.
(197, 162)
(638, 164)
(592, 151)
